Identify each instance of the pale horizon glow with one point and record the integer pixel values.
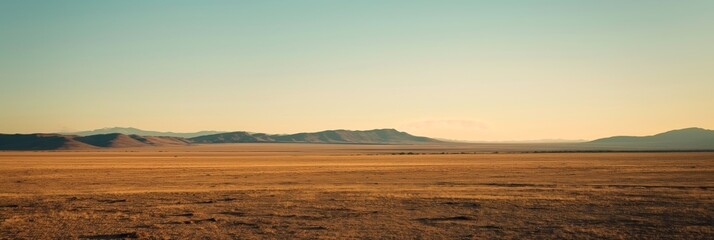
(466, 70)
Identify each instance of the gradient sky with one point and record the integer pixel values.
(471, 70)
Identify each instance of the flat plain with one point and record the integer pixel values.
(281, 191)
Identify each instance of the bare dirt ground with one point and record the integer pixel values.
(281, 191)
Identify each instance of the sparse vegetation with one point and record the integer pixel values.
(247, 192)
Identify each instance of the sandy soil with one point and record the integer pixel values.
(343, 191)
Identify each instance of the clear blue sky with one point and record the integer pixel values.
(474, 70)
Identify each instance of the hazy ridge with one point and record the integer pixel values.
(140, 132)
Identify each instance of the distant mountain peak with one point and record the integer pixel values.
(687, 130)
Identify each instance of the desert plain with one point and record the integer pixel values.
(335, 191)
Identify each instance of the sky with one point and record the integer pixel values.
(467, 70)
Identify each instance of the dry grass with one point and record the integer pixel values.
(327, 191)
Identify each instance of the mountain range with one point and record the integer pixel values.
(682, 139)
(55, 141)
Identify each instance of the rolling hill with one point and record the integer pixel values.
(140, 132)
(118, 140)
(682, 139)
(377, 136)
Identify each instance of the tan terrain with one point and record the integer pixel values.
(280, 191)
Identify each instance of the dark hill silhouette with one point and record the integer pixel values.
(140, 132)
(682, 139)
(377, 136)
(73, 142)
(40, 142)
